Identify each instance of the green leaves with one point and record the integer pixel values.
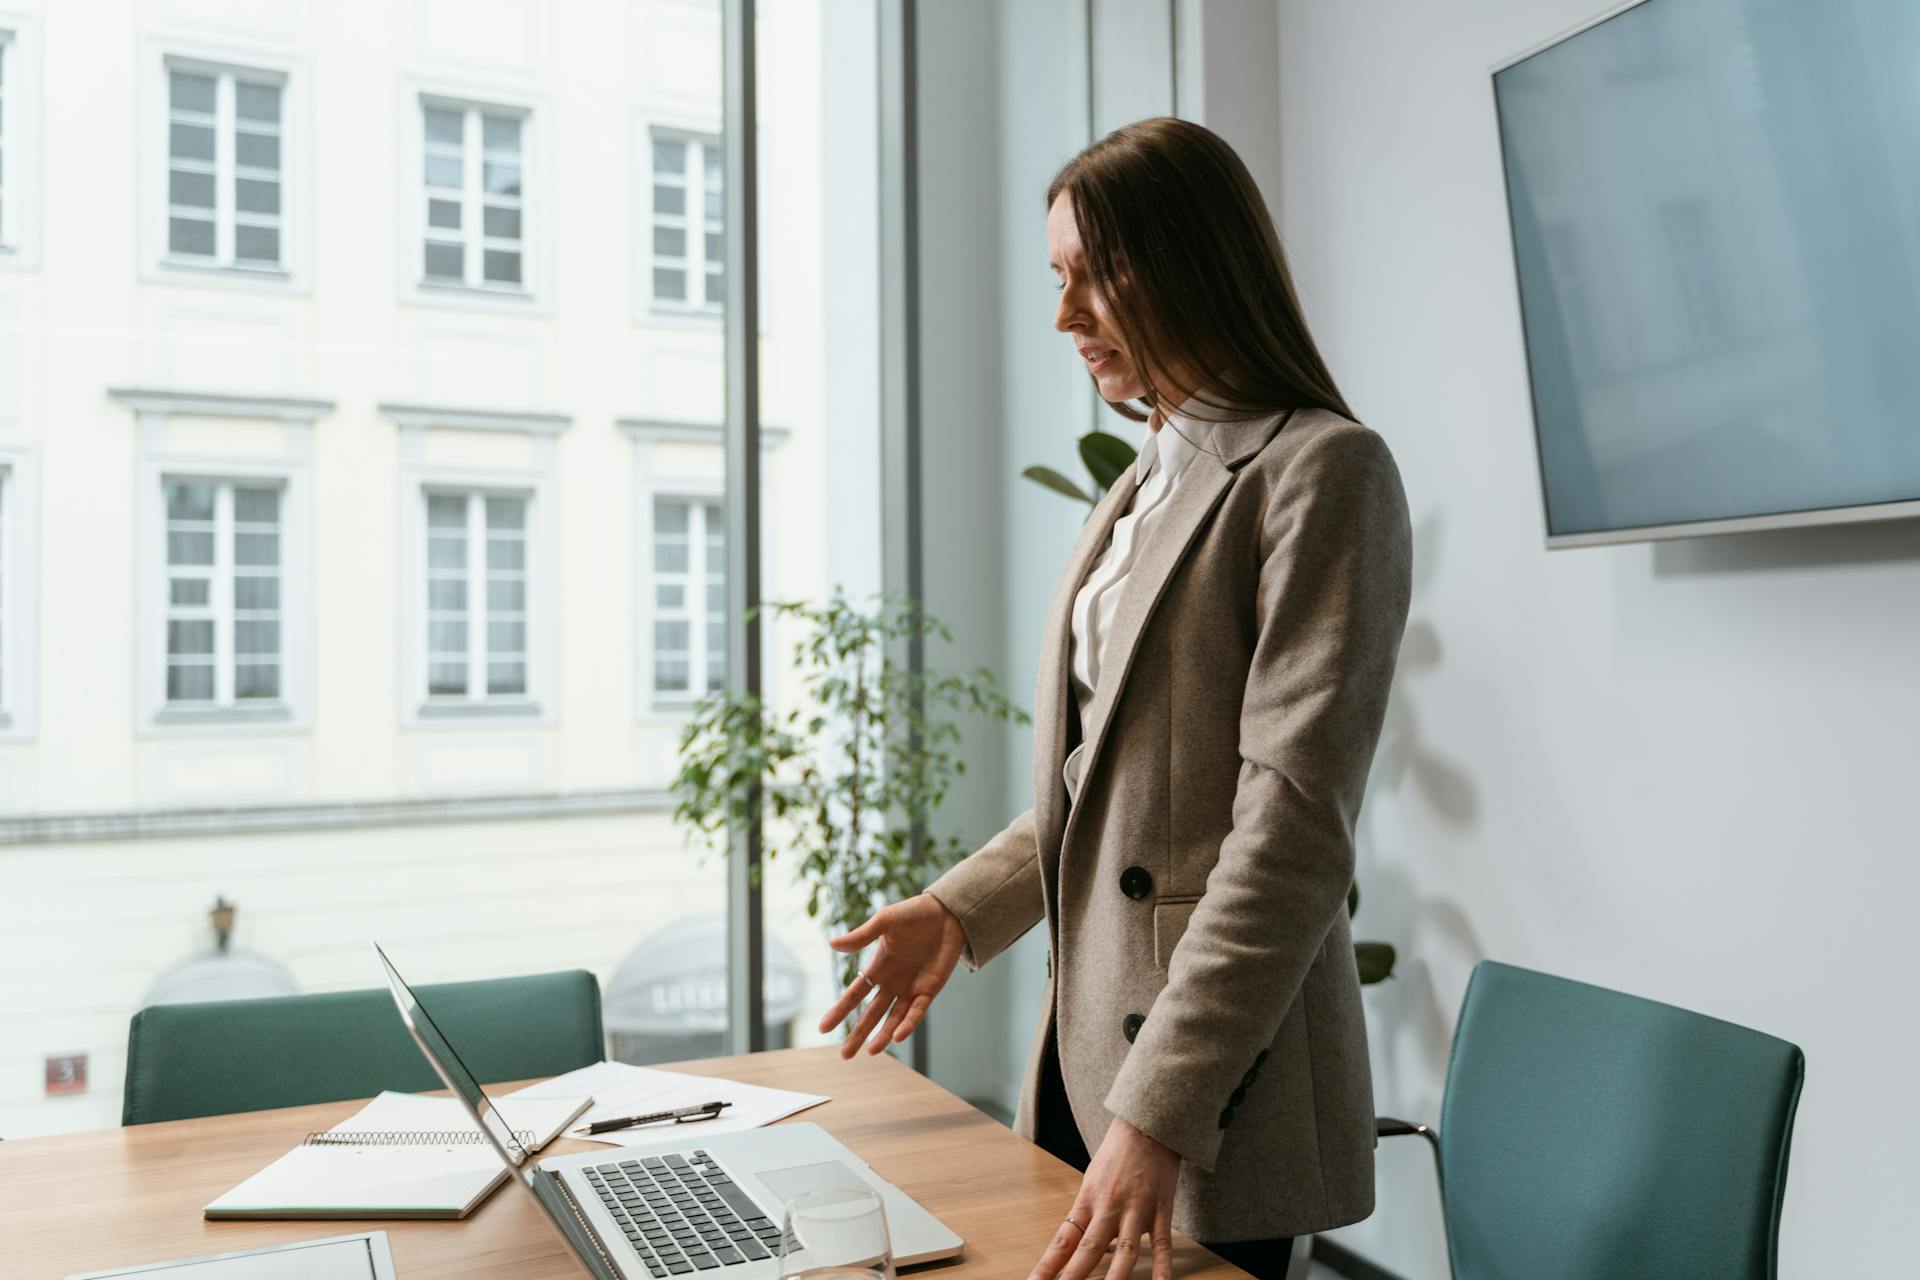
(846, 779)
(1107, 457)
(1051, 479)
(1375, 960)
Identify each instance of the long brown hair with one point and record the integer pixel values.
(1179, 244)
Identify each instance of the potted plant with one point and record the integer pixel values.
(1107, 458)
(848, 774)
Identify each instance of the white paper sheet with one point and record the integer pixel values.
(619, 1089)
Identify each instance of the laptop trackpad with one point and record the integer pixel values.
(799, 1179)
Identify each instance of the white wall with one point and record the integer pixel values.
(1680, 770)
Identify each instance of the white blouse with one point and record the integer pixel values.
(1163, 458)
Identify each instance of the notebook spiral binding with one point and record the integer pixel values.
(407, 1138)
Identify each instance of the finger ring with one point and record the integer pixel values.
(1076, 1226)
(869, 981)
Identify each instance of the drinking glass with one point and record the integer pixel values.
(837, 1234)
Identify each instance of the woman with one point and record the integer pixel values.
(1227, 627)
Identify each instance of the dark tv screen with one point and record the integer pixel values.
(1715, 209)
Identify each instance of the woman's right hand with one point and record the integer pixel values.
(920, 942)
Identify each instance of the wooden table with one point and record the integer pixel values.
(88, 1201)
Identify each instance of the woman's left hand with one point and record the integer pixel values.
(1127, 1193)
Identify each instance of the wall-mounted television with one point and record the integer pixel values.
(1715, 211)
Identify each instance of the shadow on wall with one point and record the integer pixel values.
(1431, 932)
(1813, 547)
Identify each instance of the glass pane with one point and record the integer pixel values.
(447, 551)
(500, 135)
(506, 677)
(501, 179)
(256, 244)
(506, 553)
(670, 555)
(443, 213)
(669, 199)
(256, 680)
(669, 284)
(445, 171)
(670, 595)
(710, 164)
(716, 247)
(256, 638)
(506, 639)
(256, 506)
(669, 156)
(502, 267)
(446, 511)
(256, 548)
(190, 236)
(444, 126)
(189, 591)
(444, 594)
(670, 675)
(669, 242)
(716, 206)
(192, 92)
(445, 261)
(256, 591)
(190, 501)
(447, 678)
(195, 189)
(256, 195)
(447, 636)
(506, 595)
(190, 141)
(189, 548)
(501, 222)
(256, 101)
(190, 683)
(506, 513)
(192, 636)
(256, 150)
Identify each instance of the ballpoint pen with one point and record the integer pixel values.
(680, 1115)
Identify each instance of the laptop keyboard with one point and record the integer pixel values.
(683, 1215)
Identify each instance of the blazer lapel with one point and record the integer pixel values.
(1200, 489)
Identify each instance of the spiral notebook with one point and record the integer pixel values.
(400, 1156)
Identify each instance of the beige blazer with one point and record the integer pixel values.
(1201, 978)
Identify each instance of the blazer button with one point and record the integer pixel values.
(1131, 1027)
(1260, 1059)
(1237, 1097)
(1246, 1082)
(1226, 1117)
(1136, 883)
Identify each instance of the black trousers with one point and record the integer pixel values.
(1055, 1132)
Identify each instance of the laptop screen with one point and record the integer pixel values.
(451, 1068)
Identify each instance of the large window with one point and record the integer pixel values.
(688, 206)
(689, 598)
(476, 597)
(6, 113)
(224, 156)
(475, 196)
(223, 592)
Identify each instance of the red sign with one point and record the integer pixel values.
(67, 1075)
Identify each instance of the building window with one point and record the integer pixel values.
(224, 183)
(475, 204)
(688, 208)
(476, 597)
(223, 593)
(689, 597)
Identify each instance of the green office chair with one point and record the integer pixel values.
(1591, 1135)
(210, 1059)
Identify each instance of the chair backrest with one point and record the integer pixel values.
(209, 1059)
(1590, 1135)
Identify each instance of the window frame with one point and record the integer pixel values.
(695, 266)
(477, 577)
(230, 65)
(534, 294)
(20, 140)
(697, 498)
(292, 710)
(535, 482)
(647, 123)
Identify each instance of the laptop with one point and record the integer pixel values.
(680, 1207)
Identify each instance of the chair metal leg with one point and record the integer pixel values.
(1388, 1127)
